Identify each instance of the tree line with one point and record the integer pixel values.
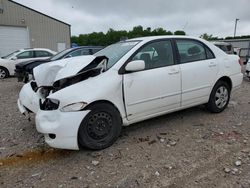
(112, 36)
(210, 37)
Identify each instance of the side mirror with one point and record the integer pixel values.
(68, 56)
(14, 58)
(133, 66)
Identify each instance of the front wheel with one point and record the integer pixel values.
(219, 97)
(100, 128)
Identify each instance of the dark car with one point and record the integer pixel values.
(24, 69)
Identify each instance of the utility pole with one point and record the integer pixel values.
(235, 27)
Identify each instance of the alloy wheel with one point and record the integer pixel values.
(221, 97)
(2, 73)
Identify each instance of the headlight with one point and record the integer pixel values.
(74, 107)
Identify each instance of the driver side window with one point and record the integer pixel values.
(156, 55)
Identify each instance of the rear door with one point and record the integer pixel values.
(156, 89)
(199, 70)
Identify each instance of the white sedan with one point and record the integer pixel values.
(8, 62)
(85, 101)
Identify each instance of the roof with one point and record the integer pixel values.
(162, 37)
(39, 12)
(28, 49)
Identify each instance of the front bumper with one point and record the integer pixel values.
(60, 128)
(28, 99)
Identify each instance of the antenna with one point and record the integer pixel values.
(184, 27)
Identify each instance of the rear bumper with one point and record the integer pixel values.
(236, 80)
(60, 128)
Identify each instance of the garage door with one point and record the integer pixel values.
(13, 38)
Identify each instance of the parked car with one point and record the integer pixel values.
(24, 70)
(248, 69)
(84, 101)
(226, 47)
(8, 62)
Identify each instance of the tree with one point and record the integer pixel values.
(206, 36)
(112, 36)
(179, 32)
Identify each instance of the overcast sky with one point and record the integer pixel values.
(195, 17)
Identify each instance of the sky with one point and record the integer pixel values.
(195, 17)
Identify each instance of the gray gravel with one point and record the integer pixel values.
(191, 148)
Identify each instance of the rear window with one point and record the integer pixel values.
(25, 55)
(190, 50)
(42, 54)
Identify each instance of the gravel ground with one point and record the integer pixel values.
(190, 148)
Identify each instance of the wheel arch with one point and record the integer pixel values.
(226, 79)
(103, 102)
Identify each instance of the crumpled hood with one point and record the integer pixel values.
(47, 74)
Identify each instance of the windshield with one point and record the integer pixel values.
(10, 55)
(116, 51)
(60, 55)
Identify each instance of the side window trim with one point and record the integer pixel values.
(122, 69)
(197, 41)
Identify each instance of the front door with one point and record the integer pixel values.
(157, 89)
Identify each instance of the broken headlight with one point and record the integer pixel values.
(49, 104)
(74, 107)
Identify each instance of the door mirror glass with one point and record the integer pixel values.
(133, 66)
(68, 56)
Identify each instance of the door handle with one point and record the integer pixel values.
(173, 72)
(212, 64)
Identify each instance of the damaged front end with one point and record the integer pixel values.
(52, 78)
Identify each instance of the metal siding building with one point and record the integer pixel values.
(239, 43)
(22, 27)
(243, 44)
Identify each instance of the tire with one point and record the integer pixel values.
(4, 73)
(219, 97)
(100, 128)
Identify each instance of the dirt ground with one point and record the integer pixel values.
(190, 148)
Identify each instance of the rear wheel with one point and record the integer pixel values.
(3, 73)
(100, 128)
(219, 97)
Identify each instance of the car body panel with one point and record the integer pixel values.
(60, 123)
(144, 99)
(197, 80)
(137, 96)
(29, 99)
(47, 74)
